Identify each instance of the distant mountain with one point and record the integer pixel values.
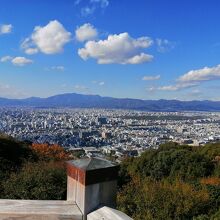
(73, 100)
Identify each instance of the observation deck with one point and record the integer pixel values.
(91, 195)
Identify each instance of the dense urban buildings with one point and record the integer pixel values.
(112, 132)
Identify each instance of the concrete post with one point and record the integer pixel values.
(92, 183)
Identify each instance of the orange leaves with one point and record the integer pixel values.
(50, 152)
(214, 181)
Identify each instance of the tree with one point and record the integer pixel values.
(40, 180)
(158, 200)
(13, 155)
(181, 161)
(48, 152)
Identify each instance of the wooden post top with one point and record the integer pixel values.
(92, 170)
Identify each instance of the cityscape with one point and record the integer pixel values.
(109, 110)
(99, 132)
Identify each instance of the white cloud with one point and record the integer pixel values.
(21, 61)
(49, 39)
(142, 58)
(86, 32)
(164, 45)
(5, 29)
(6, 59)
(17, 61)
(31, 51)
(29, 47)
(194, 78)
(200, 75)
(178, 86)
(120, 48)
(151, 78)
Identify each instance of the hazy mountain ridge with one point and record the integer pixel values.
(73, 100)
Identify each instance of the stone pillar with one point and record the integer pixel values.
(92, 183)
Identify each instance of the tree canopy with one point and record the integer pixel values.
(31, 171)
(171, 182)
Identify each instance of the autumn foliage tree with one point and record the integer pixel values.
(48, 152)
(213, 181)
(32, 172)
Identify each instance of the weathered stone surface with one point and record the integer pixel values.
(106, 213)
(92, 163)
(39, 210)
(92, 182)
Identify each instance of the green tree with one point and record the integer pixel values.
(174, 161)
(159, 200)
(46, 181)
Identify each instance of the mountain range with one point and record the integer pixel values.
(73, 100)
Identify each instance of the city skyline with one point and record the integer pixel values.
(136, 49)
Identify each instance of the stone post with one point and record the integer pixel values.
(92, 183)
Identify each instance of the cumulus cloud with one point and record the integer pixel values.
(17, 61)
(86, 32)
(191, 79)
(194, 78)
(21, 61)
(200, 75)
(5, 29)
(151, 78)
(120, 48)
(29, 47)
(49, 39)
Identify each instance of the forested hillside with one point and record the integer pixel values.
(172, 182)
(31, 171)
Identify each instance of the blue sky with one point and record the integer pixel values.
(147, 49)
